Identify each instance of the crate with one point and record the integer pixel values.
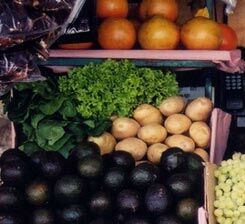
(220, 125)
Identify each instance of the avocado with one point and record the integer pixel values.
(12, 155)
(180, 185)
(122, 159)
(90, 167)
(10, 199)
(115, 179)
(173, 160)
(101, 221)
(106, 158)
(69, 189)
(128, 201)
(194, 177)
(157, 199)
(15, 173)
(100, 204)
(187, 210)
(138, 220)
(37, 157)
(93, 185)
(42, 216)
(37, 193)
(168, 219)
(143, 175)
(82, 150)
(119, 218)
(52, 165)
(6, 218)
(72, 214)
(194, 163)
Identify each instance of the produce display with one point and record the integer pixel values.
(153, 24)
(152, 130)
(87, 188)
(57, 113)
(230, 190)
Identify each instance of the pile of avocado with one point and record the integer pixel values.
(87, 188)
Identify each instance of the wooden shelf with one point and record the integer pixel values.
(155, 58)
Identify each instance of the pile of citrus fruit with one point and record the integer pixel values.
(153, 26)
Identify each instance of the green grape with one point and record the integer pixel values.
(227, 221)
(236, 156)
(229, 162)
(228, 213)
(241, 209)
(239, 201)
(228, 182)
(230, 191)
(220, 219)
(229, 203)
(219, 193)
(227, 188)
(216, 203)
(222, 178)
(243, 157)
(222, 185)
(218, 212)
(236, 213)
(239, 221)
(224, 163)
(241, 185)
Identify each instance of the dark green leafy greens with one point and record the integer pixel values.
(115, 88)
(46, 118)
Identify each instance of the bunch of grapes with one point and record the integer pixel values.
(230, 191)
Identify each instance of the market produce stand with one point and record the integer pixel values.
(154, 58)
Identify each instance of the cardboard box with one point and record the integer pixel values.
(209, 185)
(220, 125)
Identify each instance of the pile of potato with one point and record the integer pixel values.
(152, 130)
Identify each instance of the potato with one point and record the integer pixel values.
(177, 123)
(202, 153)
(124, 127)
(199, 109)
(106, 142)
(152, 133)
(172, 105)
(155, 151)
(181, 141)
(147, 114)
(200, 133)
(136, 147)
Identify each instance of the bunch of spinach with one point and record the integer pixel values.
(45, 118)
(116, 88)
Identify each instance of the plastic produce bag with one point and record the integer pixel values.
(18, 25)
(230, 5)
(17, 66)
(32, 25)
(47, 5)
